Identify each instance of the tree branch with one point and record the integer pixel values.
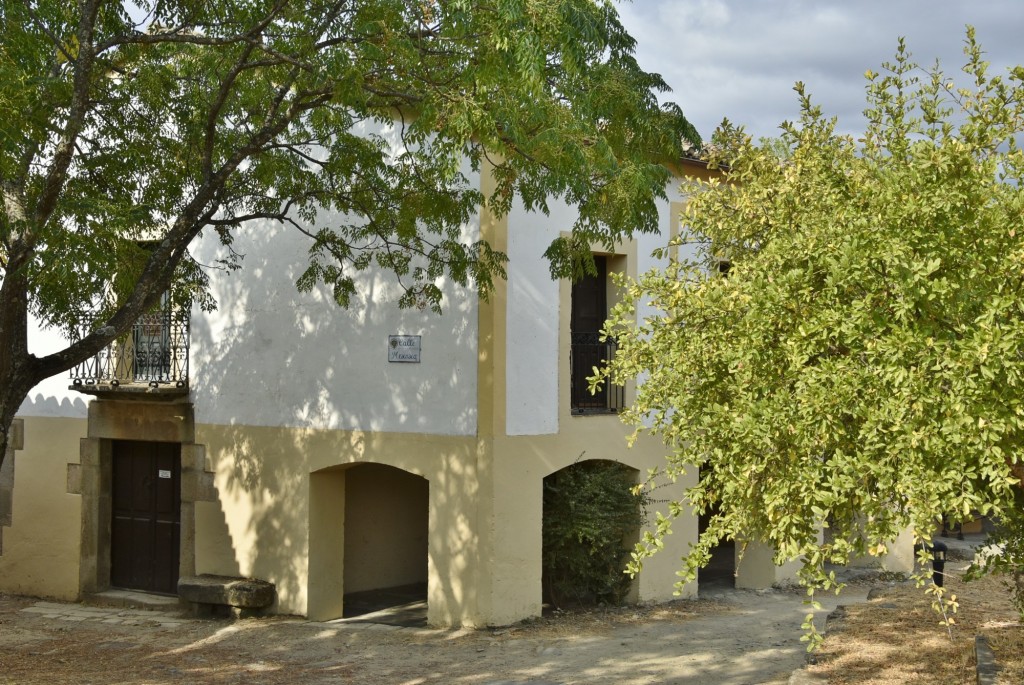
(54, 180)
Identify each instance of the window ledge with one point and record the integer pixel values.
(595, 412)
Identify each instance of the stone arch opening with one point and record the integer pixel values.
(591, 521)
(369, 544)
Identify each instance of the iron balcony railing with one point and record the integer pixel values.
(154, 352)
(586, 352)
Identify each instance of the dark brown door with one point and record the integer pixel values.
(146, 525)
(589, 311)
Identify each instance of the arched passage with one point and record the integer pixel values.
(720, 571)
(368, 544)
(591, 521)
(745, 563)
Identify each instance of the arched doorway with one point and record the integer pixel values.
(720, 571)
(591, 521)
(368, 544)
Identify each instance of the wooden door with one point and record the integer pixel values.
(146, 526)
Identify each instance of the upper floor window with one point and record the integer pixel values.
(589, 312)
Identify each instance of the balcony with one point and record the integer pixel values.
(586, 352)
(152, 358)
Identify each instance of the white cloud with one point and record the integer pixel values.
(740, 59)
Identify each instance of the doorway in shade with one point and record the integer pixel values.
(146, 516)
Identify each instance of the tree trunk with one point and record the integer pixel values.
(14, 391)
(17, 375)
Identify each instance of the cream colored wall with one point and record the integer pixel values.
(899, 556)
(269, 512)
(513, 466)
(900, 553)
(756, 569)
(41, 548)
(327, 544)
(285, 494)
(520, 464)
(385, 528)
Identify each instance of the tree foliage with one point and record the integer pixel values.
(150, 121)
(860, 366)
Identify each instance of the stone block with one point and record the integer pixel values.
(987, 672)
(197, 486)
(16, 439)
(74, 483)
(240, 593)
(159, 422)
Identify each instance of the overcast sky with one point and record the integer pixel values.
(740, 58)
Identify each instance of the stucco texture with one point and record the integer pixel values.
(41, 547)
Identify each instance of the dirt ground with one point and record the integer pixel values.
(896, 637)
(730, 638)
(739, 638)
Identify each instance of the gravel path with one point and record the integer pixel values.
(731, 638)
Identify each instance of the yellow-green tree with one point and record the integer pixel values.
(860, 365)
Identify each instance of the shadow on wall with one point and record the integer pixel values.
(286, 384)
(42, 405)
(273, 356)
(285, 507)
(386, 512)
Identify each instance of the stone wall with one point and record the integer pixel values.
(16, 442)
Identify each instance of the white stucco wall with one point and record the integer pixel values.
(272, 356)
(532, 321)
(533, 311)
(648, 243)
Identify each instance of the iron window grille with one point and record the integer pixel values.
(586, 352)
(154, 352)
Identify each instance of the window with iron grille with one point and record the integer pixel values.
(154, 352)
(587, 350)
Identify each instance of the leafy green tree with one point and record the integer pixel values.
(860, 365)
(150, 121)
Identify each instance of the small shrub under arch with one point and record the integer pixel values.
(591, 518)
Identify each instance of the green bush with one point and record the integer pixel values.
(591, 520)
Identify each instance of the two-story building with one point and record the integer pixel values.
(332, 451)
